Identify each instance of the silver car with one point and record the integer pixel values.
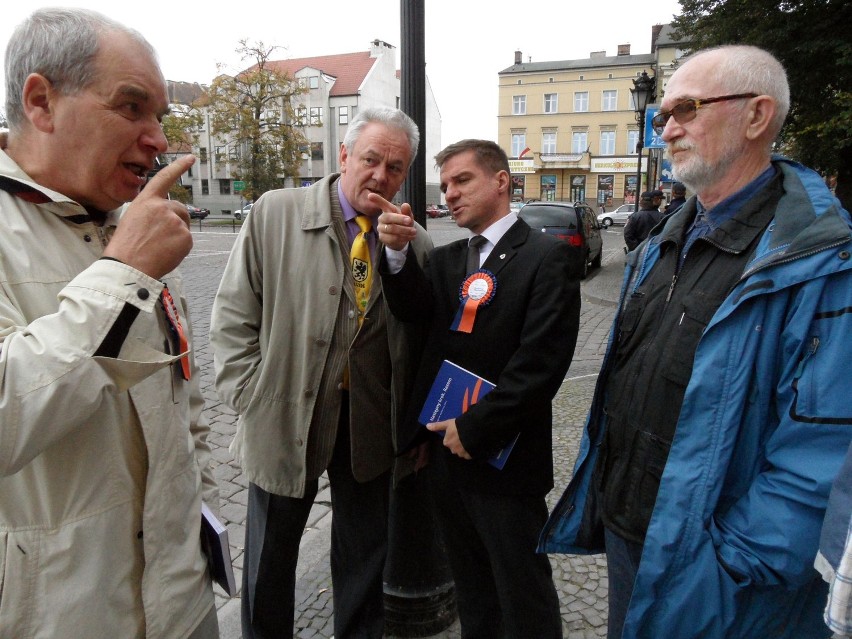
(618, 216)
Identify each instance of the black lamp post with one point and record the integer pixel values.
(643, 93)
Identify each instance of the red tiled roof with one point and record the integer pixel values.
(350, 69)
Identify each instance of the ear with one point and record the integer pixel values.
(761, 111)
(503, 181)
(38, 98)
(341, 158)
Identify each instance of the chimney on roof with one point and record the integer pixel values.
(379, 47)
(518, 58)
(597, 54)
(623, 49)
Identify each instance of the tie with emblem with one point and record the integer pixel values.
(362, 269)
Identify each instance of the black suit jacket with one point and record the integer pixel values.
(522, 341)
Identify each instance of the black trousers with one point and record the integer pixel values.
(504, 589)
(359, 533)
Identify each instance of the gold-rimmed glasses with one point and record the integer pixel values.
(686, 110)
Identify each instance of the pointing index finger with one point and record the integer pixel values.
(158, 186)
(384, 205)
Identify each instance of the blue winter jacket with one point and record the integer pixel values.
(764, 426)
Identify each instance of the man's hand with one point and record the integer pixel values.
(395, 225)
(451, 437)
(153, 235)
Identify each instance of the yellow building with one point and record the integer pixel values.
(569, 127)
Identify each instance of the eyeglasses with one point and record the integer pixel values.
(686, 111)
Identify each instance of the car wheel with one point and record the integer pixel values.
(584, 269)
(238, 216)
(596, 263)
(607, 222)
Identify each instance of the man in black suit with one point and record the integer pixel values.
(522, 339)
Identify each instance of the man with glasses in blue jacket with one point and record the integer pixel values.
(722, 412)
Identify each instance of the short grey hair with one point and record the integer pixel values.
(61, 44)
(749, 69)
(392, 118)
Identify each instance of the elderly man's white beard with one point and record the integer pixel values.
(695, 172)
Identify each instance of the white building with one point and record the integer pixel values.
(338, 86)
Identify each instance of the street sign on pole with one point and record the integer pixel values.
(239, 185)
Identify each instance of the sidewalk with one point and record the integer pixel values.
(580, 580)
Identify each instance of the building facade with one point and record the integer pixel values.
(570, 126)
(336, 87)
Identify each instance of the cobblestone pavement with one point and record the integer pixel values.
(580, 580)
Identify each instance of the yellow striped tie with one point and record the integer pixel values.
(362, 268)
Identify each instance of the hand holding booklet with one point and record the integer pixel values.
(454, 390)
(214, 539)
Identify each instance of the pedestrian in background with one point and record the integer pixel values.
(719, 420)
(522, 337)
(307, 354)
(640, 223)
(103, 452)
(678, 198)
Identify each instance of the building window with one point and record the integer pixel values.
(548, 188)
(548, 142)
(550, 102)
(632, 141)
(607, 143)
(581, 101)
(519, 105)
(202, 155)
(579, 142)
(343, 115)
(301, 116)
(316, 150)
(316, 116)
(205, 187)
(609, 101)
(519, 144)
(313, 82)
(224, 187)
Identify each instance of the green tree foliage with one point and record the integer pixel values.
(253, 113)
(811, 39)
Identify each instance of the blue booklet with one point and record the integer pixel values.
(453, 392)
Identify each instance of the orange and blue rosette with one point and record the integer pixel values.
(477, 290)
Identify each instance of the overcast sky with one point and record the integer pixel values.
(467, 41)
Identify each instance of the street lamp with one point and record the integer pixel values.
(643, 93)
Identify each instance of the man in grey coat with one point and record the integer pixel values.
(318, 377)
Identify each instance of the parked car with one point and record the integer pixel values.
(572, 223)
(196, 213)
(239, 214)
(516, 206)
(618, 216)
(437, 210)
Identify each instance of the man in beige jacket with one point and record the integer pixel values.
(285, 326)
(103, 454)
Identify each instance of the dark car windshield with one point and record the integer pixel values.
(545, 216)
